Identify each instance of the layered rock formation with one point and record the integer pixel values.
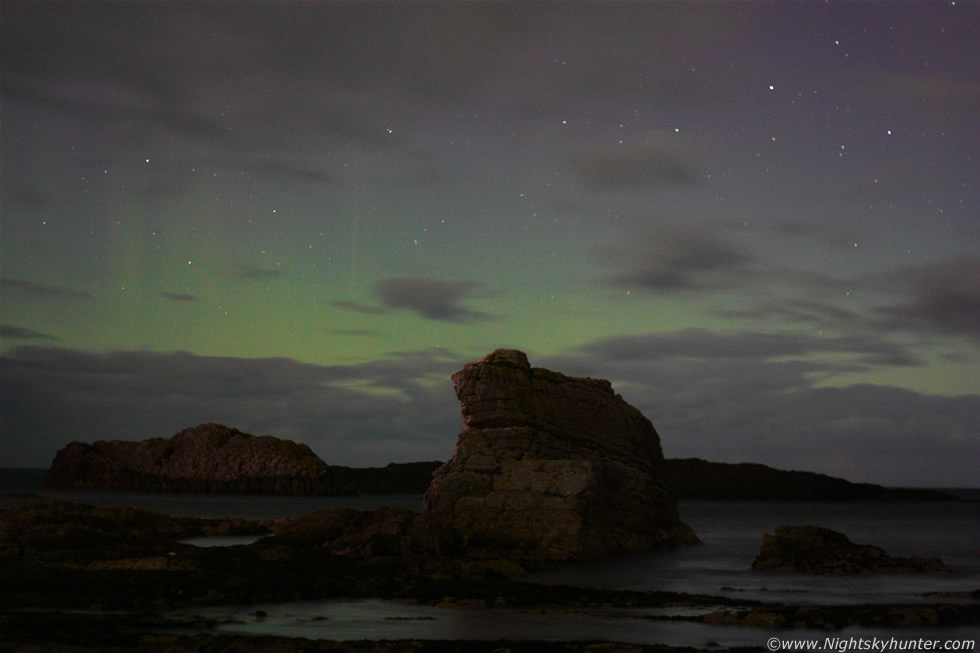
(551, 467)
(208, 458)
(817, 550)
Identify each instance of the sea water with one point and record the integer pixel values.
(731, 533)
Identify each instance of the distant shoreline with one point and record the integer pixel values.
(375, 480)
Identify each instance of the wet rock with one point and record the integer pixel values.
(816, 550)
(360, 533)
(837, 617)
(60, 528)
(551, 467)
(208, 458)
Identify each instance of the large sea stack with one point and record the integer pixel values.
(208, 458)
(551, 467)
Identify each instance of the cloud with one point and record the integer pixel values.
(798, 311)
(268, 168)
(355, 332)
(130, 116)
(656, 161)
(357, 307)
(756, 397)
(178, 297)
(11, 332)
(705, 344)
(759, 406)
(943, 297)
(677, 258)
(256, 273)
(433, 300)
(29, 200)
(395, 409)
(31, 290)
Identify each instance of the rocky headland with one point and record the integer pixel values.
(553, 467)
(822, 551)
(209, 458)
(694, 478)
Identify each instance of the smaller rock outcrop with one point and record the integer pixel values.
(48, 528)
(551, 467)
(816, 550)
(208, 458)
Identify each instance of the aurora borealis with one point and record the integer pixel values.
(760, 221)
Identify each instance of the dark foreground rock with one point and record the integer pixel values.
(128, 633)
(816, 550)
(127, 572)
(551, 467)
(208, 458)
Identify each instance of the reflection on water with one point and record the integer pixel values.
(376, 619)
(731, 532)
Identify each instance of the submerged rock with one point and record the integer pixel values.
(816, 550)
(208, 458)
(551, 467)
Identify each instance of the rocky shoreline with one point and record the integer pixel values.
(115, 579)
(548, 470)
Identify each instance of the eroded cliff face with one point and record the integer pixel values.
(206, 458)
(551, 467)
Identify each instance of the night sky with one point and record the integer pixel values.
(760, 221)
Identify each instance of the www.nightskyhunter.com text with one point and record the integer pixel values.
(844, 644)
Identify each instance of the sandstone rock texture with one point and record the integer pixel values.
(363, 533)
(208, 458)
(817, 550)
(551, 467)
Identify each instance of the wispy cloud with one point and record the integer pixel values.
(941, 297)
(705, 344)
(432, 299)
(387, 410)
(178, 297)
(33, 290)
(368, 333)
(756, 397)
(676, 258)
(761, 406)
(357, 307)
(11, 332)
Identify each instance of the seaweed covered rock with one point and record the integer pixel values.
(208, 458)
(551, 467)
